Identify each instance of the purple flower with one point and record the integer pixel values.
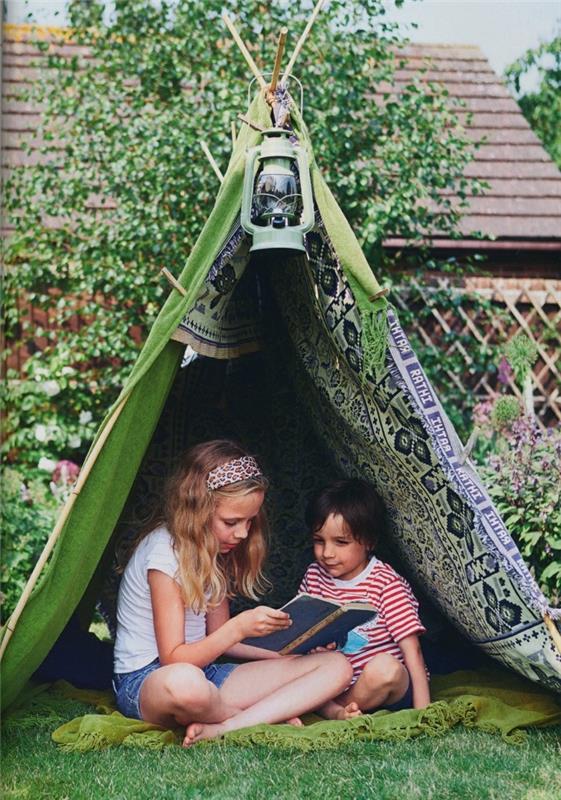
(504, 372)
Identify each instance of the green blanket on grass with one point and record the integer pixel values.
(489, 700)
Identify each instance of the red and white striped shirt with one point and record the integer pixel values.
(381, 586)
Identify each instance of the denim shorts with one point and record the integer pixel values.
(127, 685)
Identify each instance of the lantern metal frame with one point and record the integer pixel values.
(275, 144)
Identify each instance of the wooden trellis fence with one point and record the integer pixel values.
(532, 305)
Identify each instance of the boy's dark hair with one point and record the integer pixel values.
(359, 504)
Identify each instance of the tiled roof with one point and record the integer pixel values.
(521, 209)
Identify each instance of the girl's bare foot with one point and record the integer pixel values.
(197, 731)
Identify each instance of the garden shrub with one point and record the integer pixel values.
(29, 509)
(523, 477)
(521, 466)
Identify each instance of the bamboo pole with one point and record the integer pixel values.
(302, 39)
(245, 52)
(278, 59)
(53, 538)
(174, 282)
(251, 124)
(212, 162)
(470, 444)
(382, 293)
(553, 631)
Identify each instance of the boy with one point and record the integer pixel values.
(388, 666)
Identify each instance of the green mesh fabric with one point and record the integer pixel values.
(493, 701)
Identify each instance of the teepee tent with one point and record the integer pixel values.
(302, 358)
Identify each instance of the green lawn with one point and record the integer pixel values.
(461, 764)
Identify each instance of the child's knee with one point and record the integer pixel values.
(188, 688)
(383, 670)
(345, 669)
(342, 668)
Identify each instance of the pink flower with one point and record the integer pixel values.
(65, 472)
(481, 416)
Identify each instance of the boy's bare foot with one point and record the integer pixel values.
(349, 711)
(334, 710)
(197, 731)
(295, 721)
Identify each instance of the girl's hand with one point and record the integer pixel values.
(326, 649)
(261, 621)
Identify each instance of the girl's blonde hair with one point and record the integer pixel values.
(205, 576)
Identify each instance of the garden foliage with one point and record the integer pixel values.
(28, 514)
(121, 171)
(521, 466)
(523, 477)
(541, 106)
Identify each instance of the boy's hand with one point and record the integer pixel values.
(326, 649)
(261, 621)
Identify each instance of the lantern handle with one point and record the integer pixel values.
(270, 75)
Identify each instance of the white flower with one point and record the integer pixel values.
(41, 433)
(67, 371)
(74, 441)
(50, 388)
(85, 417)
(46, 464)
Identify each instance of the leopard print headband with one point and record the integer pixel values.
(239, 469)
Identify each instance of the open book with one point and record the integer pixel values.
(316, 622)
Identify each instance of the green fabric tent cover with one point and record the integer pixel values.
(344, 393)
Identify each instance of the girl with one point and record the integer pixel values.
(388, 667)
(173, 620)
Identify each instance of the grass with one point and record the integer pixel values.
(462, 764)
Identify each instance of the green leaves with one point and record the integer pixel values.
(121, 175)
(522, 353)
(542, 108)
(28, 514)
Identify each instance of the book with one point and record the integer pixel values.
(316, 622)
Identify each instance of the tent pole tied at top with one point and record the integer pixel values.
(302, 40)
(245, 52)
(271, 88)
(278, 60)
(55, 535)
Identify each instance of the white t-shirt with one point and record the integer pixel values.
(135, 643)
